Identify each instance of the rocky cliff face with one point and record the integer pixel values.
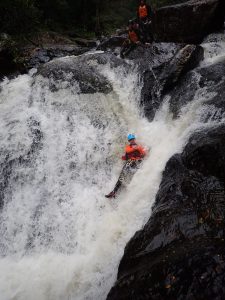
(179, 254)
(188, 22)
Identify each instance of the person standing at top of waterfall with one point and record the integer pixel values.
(134, 154)
(144, 17)
(144, 11)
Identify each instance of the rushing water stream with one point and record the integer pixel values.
(60, 154)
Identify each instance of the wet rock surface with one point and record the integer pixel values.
(18, 57)
(85, 42)
(179, 254)
(154, 55)
(38, 56)
(207, 81)
(188, 22)
(185, 60)
(112, 42)
(80, 71)
(165, 73)
(150, 61)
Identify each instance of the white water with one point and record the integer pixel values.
(60, 238)
(214, 46)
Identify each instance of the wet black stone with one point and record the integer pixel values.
(179, 254)
(43, 55)
(82, 70)
(163, 74)
(188, 22)
(112, 42)
(208, 81)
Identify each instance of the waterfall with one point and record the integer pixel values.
(60, 154)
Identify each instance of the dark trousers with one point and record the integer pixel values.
(127, 47)
(128, 170)
(146, 30)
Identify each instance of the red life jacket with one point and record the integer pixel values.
(133, 36)
(143, 11)
(134, 152)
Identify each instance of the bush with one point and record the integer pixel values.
(18, 16)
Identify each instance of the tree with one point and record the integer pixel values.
(18, 16)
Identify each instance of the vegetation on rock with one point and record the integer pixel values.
(23, 17)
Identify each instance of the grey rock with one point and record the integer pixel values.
(163, 66)
(210, 79)
(83, 70)
(112, 42)
(39, 56)
(179, 254)
(188, 22)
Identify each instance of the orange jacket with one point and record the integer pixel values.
(134, 152)
(133, 36)
(143, 11)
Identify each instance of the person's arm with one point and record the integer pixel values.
(142, 151)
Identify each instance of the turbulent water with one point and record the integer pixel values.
(60, 154)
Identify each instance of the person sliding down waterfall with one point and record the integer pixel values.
(133, 156)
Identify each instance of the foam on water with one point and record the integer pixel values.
(60, 237)
(214, 46)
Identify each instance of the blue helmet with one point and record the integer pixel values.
(131, 136)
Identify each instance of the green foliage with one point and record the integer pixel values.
(18, 16)
(21, 17)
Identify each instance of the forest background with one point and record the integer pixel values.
(82, 17)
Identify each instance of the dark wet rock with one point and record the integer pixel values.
(121, 31)
(188, 22)
(83, 70)
(112, 42)
(185, 60)
(19, 57)
(165, 72)
(85, 42)
(150, 61)
(206, 83)
(104, 58)
(154, 55)
(38, 56)
(179, 254)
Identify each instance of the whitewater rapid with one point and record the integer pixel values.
(60, 150)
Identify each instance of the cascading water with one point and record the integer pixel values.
(60, 153)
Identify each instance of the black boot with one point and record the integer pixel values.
(111, 195)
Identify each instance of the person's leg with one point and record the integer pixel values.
(130, 48)
(120, 181)
(142, 31)
(151, 38)
(125, 177)
(122, 177)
